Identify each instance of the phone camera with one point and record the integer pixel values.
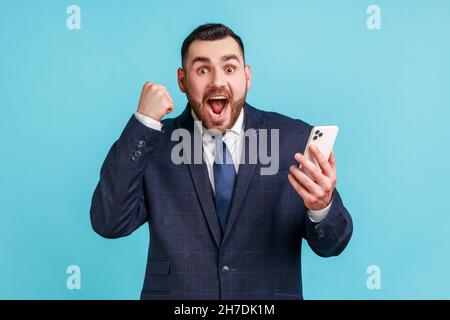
(317, 134)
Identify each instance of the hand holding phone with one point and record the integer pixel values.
(316, 187)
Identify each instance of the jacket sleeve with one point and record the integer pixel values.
(330, 236)
(118, 203)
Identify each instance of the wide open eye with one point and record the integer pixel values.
(203, 70)
(229, 69)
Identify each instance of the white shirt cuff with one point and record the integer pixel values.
(148, 122)
(318, 215)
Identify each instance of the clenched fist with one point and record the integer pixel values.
(155, 101)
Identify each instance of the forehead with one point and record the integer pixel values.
(214, 49)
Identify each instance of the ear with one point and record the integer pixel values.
(248, 76)
(181, 80)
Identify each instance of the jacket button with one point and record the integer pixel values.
(225, 270)
(141, 144)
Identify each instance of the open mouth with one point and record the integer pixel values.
(217, 105)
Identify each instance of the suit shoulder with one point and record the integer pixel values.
(275, 120)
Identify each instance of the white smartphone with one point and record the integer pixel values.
(323, 138)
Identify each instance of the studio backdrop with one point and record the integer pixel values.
(70, 78)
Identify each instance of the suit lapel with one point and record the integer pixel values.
(199, 175)
(253, 121)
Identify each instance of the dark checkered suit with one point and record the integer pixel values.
(259, 254)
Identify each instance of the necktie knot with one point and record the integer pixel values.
(222, 153)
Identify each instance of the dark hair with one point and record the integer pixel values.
(209, 32)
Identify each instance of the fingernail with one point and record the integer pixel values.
(297, 156)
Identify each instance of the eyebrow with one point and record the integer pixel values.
(223, 59)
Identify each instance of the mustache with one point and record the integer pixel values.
(212, 93)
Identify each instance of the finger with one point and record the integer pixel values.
(170, 105)
(306, 181)
(148, 84)
(157, 87)
(145, 87)
(162, 88)
(314, 172)
(323, 163)
(300, 189)
(162, 94)
(165, 93)
(169, 97)
(332, 161)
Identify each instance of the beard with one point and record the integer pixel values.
(202, 109)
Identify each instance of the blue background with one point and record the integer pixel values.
(66, 95)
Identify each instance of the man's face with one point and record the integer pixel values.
(215, 81)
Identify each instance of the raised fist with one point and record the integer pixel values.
(155, 101)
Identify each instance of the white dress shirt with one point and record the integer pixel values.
(233, 138)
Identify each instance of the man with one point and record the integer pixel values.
(219, 229)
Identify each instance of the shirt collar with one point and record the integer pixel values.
(236, 129)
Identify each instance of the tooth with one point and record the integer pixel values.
(218, 98)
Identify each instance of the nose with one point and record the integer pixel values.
(218, 79)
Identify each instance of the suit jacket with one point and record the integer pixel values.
(258, 256)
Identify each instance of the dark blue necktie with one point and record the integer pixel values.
(224, 177)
